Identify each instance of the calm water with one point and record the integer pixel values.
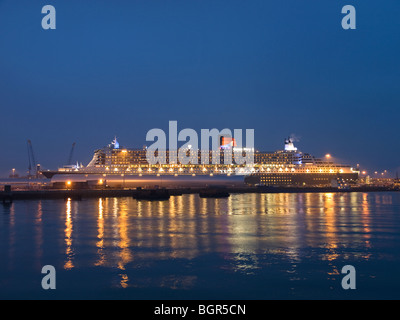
(249, 246)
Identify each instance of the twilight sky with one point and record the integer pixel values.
(125, 67)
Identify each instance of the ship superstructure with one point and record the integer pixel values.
(290, 167)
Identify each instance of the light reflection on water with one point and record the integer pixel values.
(69, 251)
(242, 247)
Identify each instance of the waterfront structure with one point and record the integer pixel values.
(115, 165)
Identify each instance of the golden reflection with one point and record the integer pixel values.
(366, 220)
(68, 237)
(124, 280)
(100, 235)
(354, 202)
(230, 206)
(125, 255)
(115, 207)
(313, 209)
(263, 204)
(180, 205)
(331, 227)
(191, 203)
(174, 228)
(161, 228)
(203, 226)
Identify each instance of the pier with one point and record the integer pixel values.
(8, 195)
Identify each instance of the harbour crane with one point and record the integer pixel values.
(69, 162)
(31, 159)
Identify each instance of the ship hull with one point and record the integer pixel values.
(147, 181)
(298, 179)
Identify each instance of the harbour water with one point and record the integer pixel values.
(247, 246)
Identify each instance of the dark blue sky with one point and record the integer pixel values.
(125, 67)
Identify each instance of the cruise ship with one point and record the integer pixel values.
(117, 166)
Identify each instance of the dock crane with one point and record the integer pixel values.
(69, 162)
(31, 159)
